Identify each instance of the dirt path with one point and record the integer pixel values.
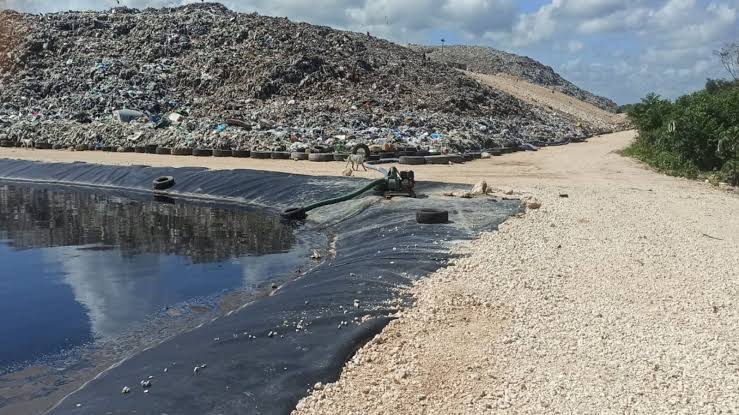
(621, 298)
(546, 97)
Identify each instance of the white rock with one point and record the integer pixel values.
(480, 188)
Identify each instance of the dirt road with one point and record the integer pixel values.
(620, 297)
(549, 98)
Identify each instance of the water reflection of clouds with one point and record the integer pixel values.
(115, 290)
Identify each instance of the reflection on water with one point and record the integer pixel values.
(82, 266)
(35, 218)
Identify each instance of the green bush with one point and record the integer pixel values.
(697, 133)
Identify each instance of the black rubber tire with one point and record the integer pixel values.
(217, 152)
(151, 148)
(81, 147)
(467, 157)
(432, 216)
(241, 153)
(164, 150)
(387, 155)
(294, 214)
(202, 152)
(299, 155)
(364, 148)
(57, 147)
(507, 150)
(456, 158)
(434, 153)
(141, 149)
(413, 160)
(280, 155)
(321, 157)
(261, 154)
(374, 157)
(181, 151)
(340, 156)
(6, 143)
(126, 149)
(42, 146)
(421, 153)
(438, 159)
(163, 182)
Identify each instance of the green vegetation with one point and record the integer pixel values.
(695, 136)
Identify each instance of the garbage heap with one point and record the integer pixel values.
(492, 61)
(204, 76)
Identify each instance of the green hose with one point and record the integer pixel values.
(300, 213)
(345, 197)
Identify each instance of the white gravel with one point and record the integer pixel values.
(621, 298)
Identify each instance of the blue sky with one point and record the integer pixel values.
(621, 49)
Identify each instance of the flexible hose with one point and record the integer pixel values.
(345, 197)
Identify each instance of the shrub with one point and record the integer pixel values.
(697, 133)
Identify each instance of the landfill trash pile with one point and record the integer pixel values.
(492, 61)
(202, 76)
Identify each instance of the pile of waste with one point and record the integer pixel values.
(203, 76)
(492, 61)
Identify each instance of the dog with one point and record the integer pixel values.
(27, 143)
(355, 160)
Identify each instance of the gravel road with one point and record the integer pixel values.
(620, 298)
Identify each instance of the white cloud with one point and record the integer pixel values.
(574, 46)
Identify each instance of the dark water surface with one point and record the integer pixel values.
(81, 267)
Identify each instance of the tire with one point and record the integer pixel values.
(181, 151)
(467, 157)
(163, 182)
(437, 159)
(164, 150)
(222, 153)
(57, 147)
(340, 157)
(202, 152)
(507, 150)
(151, 148)
(140, 149)
(374, 157)
(299, 155)
(432, 216)
(456, 158)
(42, 146)
(421, 153)
(261, 154)
(294, 214)
(81, 147)
(364, 148)
(6, 143)
(280, 155)
(321, 157)
(412, 160)
(241, 153)
(387, 155)
(126, 149)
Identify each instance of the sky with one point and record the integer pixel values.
(621, 49)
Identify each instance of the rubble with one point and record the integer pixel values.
(492, 61)
(205, 77)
